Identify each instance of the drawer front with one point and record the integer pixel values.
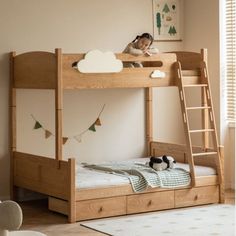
(100, 208)
(196, 196)
(150, 202)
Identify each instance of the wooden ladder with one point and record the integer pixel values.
(207, 107)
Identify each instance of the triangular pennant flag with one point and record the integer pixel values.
(92, 128)
(64, 140)
(98, 122)
(47, 134)
(78, 138)
(37, 125)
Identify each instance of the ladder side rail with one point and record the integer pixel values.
(179, 81)
(205, 79)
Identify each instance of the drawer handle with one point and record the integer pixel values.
(149, 203)
(196, 197)
(100, 209)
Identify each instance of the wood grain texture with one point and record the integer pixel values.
(56, 178)
(37, 217)
(100, 208)
(150, 202)
(36, 70)
(149, 119)
(196, 196)
(58, 106)
(189, 60)
(42, 174)
(127, 78)
(12, 124)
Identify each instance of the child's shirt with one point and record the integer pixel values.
(132, 49)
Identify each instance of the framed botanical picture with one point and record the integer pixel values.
(166, 20)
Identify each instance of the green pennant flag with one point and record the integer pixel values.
(37, 125)
(92, 128)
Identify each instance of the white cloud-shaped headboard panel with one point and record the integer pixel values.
(96, 61)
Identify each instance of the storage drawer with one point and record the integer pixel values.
(58, 205)
(196, 196)
(150, 202)
(100, 208)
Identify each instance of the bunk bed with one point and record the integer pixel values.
(56, 177)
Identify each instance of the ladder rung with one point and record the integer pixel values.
(197, 108)
(191, 72)
(194, 85)
(200, 130)
(204, 154)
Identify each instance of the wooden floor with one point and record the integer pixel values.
(38, 217)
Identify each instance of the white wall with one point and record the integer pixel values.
(79, 26)
(202, 30)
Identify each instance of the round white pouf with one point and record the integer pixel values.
(25, 233)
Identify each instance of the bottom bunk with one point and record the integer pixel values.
(88, 194)
(100, 194)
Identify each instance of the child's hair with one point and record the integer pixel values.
(144, 35)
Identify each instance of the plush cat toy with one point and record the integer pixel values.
(162, 163)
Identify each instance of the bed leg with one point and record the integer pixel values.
(71, 219)
(222, 185)
(72, 200)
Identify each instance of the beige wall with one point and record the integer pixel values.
(79, 26)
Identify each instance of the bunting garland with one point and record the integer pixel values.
(77, 137)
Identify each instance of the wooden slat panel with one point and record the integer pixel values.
(178, 151)
(175, 150)
(41, 174)
(36, 70)
(127, 78)
(189, 60)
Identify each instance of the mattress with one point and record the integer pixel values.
(87, 178)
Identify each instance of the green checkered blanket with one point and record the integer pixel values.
(142, 176)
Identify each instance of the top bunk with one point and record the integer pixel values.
(47, 70)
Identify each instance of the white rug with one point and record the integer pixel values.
(210, 220)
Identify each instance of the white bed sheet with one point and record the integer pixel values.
(86, 178)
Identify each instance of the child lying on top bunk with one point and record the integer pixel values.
(141, 45)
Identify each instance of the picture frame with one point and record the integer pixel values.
(166, 20)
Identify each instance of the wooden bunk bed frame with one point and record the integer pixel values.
(56, 177)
